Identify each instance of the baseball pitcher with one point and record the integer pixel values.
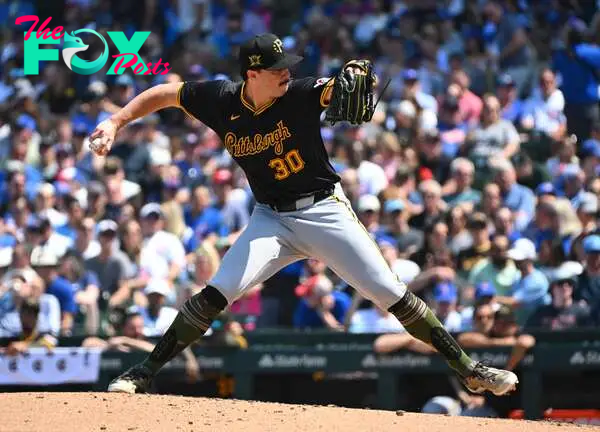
(270, 124)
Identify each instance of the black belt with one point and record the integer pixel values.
(302, 202)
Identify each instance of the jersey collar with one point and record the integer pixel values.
(247, 104)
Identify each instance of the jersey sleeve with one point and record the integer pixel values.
(199, 100)
(315, 89)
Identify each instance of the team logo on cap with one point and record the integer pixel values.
(278, 46)
(255, 60)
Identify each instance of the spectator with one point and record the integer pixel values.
(157, 316)
(433, 207)
(576, 63)
(320, 305)
(494, 138)
(563, 313)
(85, 244)
(588, 286)
(543, 111)
(445, 295)
(511, 106)
(368, 213)
(496, 270)
(493, 329)
(44, 205)
(412, 91)
(491, 200)
(111, 266)
(519, 199)
(231, 202)
(408, 239)
(50, 239)
(45, 263)
(460, 190)
(480, 246)
(504, 225)
(459, 236)
(510, 46)
(434, 164)
(530, 291)
(374, 320)
(203, 220)
(452, 129)
(485, 294)
(469, 104)
(25, 288)
(162, 255)
(75, 214)
(86, 289)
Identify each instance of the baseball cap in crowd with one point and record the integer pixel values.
(485, 289)
(43, 257)
(445, 292)
(265, 51)
(588, 203)
(107, 226)
(124, 80)
(25, 121)
(505, 80)
(523, 249)
(6, 254)
(477, 221)
(393, 205)
(157, 286)
(151, 209)
(591, 244)
(317, 286)
(545, 188)
(368, 203)
(410, 75)
(590, 147)
(563, 274)
(222, 176)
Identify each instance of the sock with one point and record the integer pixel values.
(192, 321)
(421, 323)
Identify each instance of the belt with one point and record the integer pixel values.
(302, 202)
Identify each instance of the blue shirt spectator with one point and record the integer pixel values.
(320, 306)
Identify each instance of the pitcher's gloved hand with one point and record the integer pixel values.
(352, 94)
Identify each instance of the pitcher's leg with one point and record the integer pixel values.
(345, 245)
(257, 254)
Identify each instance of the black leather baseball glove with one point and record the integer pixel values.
(352, 93)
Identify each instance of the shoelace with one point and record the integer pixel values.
(482, 371)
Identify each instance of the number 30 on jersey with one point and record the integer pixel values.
(290, 163)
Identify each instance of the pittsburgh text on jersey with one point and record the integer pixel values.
(247, 146)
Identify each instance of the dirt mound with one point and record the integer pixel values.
(155, 413)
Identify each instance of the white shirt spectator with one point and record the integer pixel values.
(58, 244)
(453, 322)
(373, 321)
(48, 318)
(157, 326)
(371, 177)
(405, 269)
(158, 252)
(547, 115)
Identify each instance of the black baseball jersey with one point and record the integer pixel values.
(278, 145)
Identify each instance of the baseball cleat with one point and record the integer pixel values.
(498, 381)
(134, 380)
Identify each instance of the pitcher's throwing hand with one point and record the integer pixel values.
(103, 137)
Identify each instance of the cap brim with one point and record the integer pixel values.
(515, 255)
(286, 62)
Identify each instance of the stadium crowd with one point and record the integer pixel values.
(478, 176)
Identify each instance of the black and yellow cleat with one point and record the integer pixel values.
(134, 380)
(498, 381)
